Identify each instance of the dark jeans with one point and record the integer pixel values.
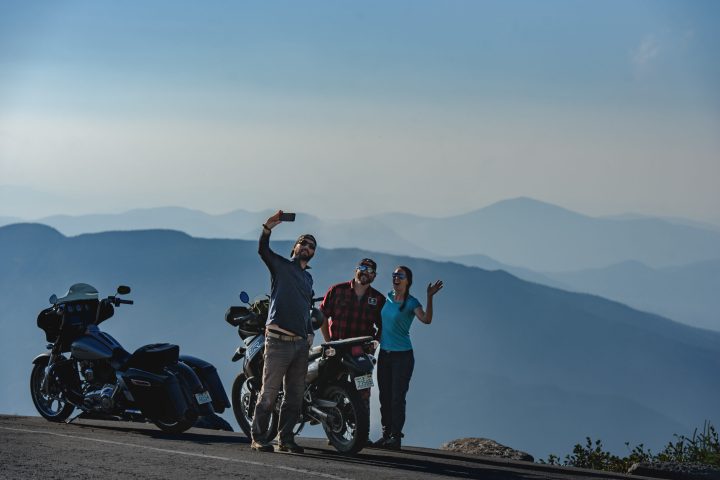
(394, 370)
(286, 365)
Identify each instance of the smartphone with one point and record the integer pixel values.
(287, 217)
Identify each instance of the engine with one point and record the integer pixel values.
(99, 385)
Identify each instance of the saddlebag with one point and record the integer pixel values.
(158, 396)
(210, 379)
(154, 357)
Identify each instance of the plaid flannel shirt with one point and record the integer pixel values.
(349, 316)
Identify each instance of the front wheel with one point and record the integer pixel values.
(348, 422)
(244, 397)
(51, 404)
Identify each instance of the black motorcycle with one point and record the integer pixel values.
(337, 372)
(104, 381)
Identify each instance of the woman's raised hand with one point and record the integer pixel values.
(432, 289)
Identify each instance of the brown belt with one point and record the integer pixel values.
(280, 336)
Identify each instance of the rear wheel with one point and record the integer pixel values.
(176, 427)
(51, 403)
(244, 398)
(349, 421)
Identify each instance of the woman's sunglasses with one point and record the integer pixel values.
(399, 276)
(365, 268)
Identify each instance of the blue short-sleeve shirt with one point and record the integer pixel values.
(396, 324)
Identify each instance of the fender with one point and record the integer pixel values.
(210, 379)
(37, 359)
(194, 385)
(361, 365)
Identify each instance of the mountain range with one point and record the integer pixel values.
(523, 232)
(531, 366)
(666, 266)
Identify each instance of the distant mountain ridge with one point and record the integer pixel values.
(528, 365)
(547, 238)
(523, 232)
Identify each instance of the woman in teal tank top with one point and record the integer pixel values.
(396, 360)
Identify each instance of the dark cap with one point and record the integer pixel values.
(369, 262)
(306, 236)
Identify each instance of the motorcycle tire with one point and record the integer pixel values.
(348, 424)
(51, 407)
(243, 400)
(176, 427)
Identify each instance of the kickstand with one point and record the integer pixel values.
(70, 420)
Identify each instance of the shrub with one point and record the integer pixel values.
(703, 447)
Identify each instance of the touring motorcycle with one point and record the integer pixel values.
(104, 381)
(337, 372)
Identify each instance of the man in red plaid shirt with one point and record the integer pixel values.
(352, 309)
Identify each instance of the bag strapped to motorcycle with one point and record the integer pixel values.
(154, 357)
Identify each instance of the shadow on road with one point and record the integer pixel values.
(420, 462)
(147, 431)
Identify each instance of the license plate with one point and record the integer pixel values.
(363, 382)
(203, 397)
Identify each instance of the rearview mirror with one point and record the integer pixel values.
(244, 297)
(123, 290)
(53, 299)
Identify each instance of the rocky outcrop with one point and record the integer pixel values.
(485, 447)
(675, 471)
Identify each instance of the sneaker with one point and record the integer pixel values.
(261, 447)
(291, 447)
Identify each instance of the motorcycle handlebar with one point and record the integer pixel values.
(118, 301)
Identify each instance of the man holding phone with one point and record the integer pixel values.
(288, 333)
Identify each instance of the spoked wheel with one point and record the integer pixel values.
(244, 398)
(349, 421)
(51, 404)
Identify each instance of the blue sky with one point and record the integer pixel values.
(353, 108)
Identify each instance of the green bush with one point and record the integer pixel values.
(703, 447)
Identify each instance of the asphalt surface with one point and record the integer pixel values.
(31, 447)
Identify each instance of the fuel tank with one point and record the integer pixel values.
(95, 345)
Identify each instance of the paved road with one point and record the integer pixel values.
(31, 447)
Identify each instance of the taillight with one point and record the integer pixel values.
(357, 350)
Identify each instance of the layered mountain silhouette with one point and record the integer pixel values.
(665, 266)
(531, 366)
(521, 232)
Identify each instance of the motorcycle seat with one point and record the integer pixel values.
(348, 342)
(153, 357)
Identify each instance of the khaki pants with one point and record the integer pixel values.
(285, 366)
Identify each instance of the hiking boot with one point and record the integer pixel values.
(291, 447)
(261, 447)
(392, 443)
(380, 443)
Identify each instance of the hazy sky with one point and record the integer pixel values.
(344, 108)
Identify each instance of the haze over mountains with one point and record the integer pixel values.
(531, 366)
(666, 266)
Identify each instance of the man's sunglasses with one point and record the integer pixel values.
(399, 276)
(365, 268)
(306, 243)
